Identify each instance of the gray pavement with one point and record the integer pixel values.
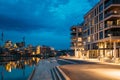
(42, 71)
(91, 71)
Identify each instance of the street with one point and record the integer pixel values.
(83, 70)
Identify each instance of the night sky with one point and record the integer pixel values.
(42, 22)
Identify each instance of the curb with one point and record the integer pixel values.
(88, 60)
(31, 76)
(64, 75)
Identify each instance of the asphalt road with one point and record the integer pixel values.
(83, 70)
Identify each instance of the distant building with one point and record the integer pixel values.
(8, 44)
(47, 51)
(38, 50)
(20, 44)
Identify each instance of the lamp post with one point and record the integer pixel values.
(110, 44)
(84, 43)
(110, 40)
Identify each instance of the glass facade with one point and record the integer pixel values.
(101, 35)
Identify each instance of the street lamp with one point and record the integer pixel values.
(110, 35)
(84, 43)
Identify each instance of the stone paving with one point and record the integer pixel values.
(42, 70)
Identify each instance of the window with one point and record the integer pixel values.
(96, 36)
(108, 2)
(74, 30)
(116, 1)
(88, 32)
(101, 35)
(118, 22)
(101, 26)
(96, 20)
(100, 7)
(93, 22)
(92, 30)
(89, 39)
(79, 44)
(101, 17)
(109, 23)
(79, 39)
(80, 30)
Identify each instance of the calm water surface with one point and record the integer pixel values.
(17, 68)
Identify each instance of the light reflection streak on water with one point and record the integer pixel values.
(18, 69)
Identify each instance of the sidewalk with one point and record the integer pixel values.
(92, 60)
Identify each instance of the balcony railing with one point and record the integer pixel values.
(112, 13)
(108, 3)
(115, 25)
(117, 33)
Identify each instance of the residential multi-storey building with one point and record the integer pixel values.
(101, 31)
(76, 40)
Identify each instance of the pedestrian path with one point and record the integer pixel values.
(92, 60)
(43, 69)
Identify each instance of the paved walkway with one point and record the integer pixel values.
(92, 60)
(42, 70)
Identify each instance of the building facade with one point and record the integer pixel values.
(76, 40)
(101, 31)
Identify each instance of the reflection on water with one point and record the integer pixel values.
(17, 68)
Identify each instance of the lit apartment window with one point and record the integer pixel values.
(89, 39)
(80, 30)
(118, 22)
(79, 39)
(115, 12)
(93, 22)
(74, 39)
(109, 23)
(79, 44)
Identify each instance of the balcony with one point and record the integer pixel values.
(112, 26)
(73, 33)
(111, 13)
(109, 2)
(113, 32)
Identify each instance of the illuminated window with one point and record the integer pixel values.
(118, 22)
(79, 44)
(115, 12)
(89, 39)
(80, 30)
(79, 39)
(109, 23)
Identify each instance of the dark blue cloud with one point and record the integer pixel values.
(43, 18)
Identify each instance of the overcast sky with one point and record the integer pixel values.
(42, 22)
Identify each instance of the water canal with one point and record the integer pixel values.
(17, 68)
